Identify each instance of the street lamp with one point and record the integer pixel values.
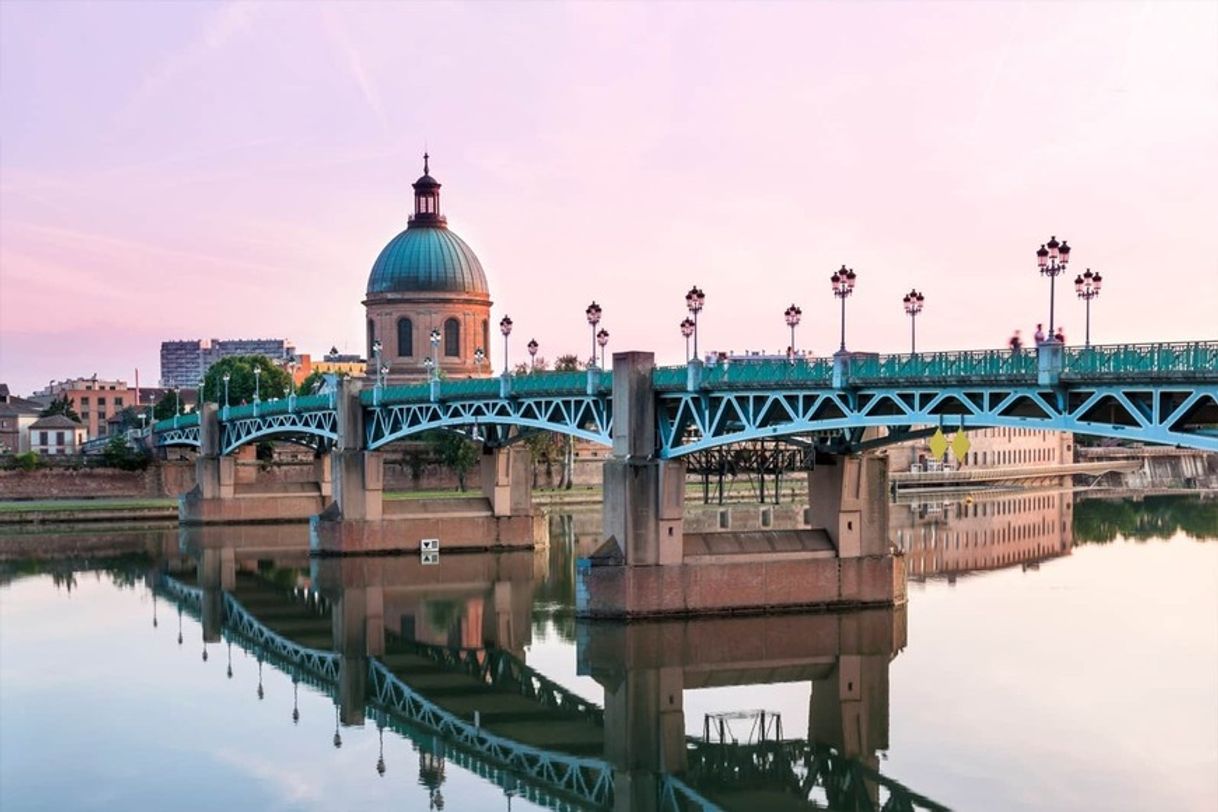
(913, 306)
(687, 330)
(505, 327)
(429, 365)
(257, 384)
(177, 401)
(842, 282)
(793, 314)
(226, 377)
(1052, 259)
(594, 318)
(479, 357)
(602, 339)
(434, 338)
(376, 355)
(1087, 287)
(532, 347)
(694, 300)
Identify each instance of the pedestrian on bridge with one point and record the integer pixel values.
(1040, 334)
(1016, 342)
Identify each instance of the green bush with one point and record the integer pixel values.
(28, 461)
(119, 454)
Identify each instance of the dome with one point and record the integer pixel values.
(427, 259)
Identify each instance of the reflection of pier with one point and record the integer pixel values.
(983, 531)
(436, 653)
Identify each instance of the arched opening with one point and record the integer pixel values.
(371, 338)
(452, 338)
(486, 336)
(405, 338)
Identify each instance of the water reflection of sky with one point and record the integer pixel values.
(1088, 683)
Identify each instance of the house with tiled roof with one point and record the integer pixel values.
(16, 417)
(57, 435)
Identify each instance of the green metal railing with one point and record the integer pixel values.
(963, 366)
(182, 421)
(1126, 359)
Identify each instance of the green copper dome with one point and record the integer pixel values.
(423, 259)
(427, 257)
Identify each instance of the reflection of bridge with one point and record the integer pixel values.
(482, 707)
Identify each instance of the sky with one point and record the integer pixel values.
(178, 170)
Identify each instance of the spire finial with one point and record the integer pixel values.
(426, 170)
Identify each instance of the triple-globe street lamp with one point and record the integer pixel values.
(913, 306)
(376, 354)
(842, 282)
(435, 351)
(593, 312)
(226, 377)
(793, 315)
(505, 327)
(1087, 286)
(602, 340)
(695, 300)
(1052, 258)
(687, 330)
(257, 384)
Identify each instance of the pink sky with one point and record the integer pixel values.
(172, 170)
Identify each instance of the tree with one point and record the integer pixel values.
(166, 407)
(313, 382)
(242, 383)
(61, 405)
(455, 452)
(119, 454)
(568, 363)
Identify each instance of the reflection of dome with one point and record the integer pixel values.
(427, 258)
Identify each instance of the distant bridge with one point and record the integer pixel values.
(1164, 394)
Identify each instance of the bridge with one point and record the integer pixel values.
(425, 692)
(652, 417)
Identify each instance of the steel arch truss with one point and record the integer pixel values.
(316, 429)
(1166, 414)
(187, 436)
(588, 417)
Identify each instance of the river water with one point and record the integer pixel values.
(1055, 653)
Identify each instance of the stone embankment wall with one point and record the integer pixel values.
(1161, 467)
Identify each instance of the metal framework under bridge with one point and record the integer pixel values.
(1151, 393)
(555, 780)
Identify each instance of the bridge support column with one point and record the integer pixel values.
(848, 497)
(215, 474)
(507, 478)
(644, 497)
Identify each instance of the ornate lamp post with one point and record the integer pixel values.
(694, 301)
(435, 352)
(226, 377)
(793, 314)
(913, 306)
(594, 318)
(257, 384)
(1087, 286)
(505, 327)
(602, 339)
(479, 357)
(1052, 259)
(842, 282)
(177, 401)
(429, 365)
(376, 357)
(687, 330)
(532, 347)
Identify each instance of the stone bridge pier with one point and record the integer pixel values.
(650, 567)
(219, 497)
(359, 519)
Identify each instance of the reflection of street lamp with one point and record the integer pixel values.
(532, 348)
(593, 312)
(338, 740)
(1087, 287)
(687, 330)
(505, 327)
(602, 339)
(694, 301)
(843, 285)
(793, 315)
(1052, 259)
(913, 306)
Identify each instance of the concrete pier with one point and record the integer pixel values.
(649, 567)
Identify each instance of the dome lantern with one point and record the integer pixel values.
(427, 200)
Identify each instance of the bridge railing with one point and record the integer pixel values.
(182, 421)
(1141, 359)
(535, 384)
(962, 365)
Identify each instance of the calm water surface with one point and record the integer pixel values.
(1067, 666)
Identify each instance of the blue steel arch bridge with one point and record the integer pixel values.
(557, 779)
(1148, 393)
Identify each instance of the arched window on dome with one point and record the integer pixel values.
(405, 338)
(452, 338)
